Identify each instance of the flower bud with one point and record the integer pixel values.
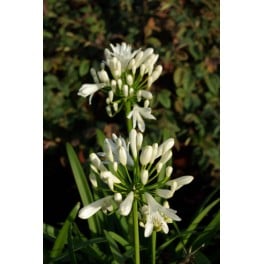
(131, 91)
(118, 197)
(119, 83)
(166, 156)
(129, 79)
(115, 165)
(169, 170)
(103, 76)
(95, 160)
(110, 96)
(93, 180)
(125, 90)
(108, 150)
(94, 75)
(146, 155)
(144, 176)
(133, 141)
(139, 140)
(142, 70)
(115, 106)
(122, 155)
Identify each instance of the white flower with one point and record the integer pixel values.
(109, 178)
(122, 53)
(119, 150)
(137, 113)
(157, 215)
(89, 90)
(175, 185)
(126, 205)
(90, 209)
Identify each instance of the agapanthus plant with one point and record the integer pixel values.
(135, 178)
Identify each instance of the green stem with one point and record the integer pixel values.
(128, 121)
(136, 232)
(153, 247)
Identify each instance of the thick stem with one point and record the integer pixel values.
(153, 247)
(136, 232)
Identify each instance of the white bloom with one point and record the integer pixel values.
(126, 205)
(122, 53)
(120, 154)
(156, 216)
(137, 113)
(109, 178)
(90, 209)
(177, 183)
(89, 90)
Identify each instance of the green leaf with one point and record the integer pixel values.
(50, 231)
(192, 227)
(118, 257)
(177, 76)
(63, 234)
(100, 136)
(200, 258)
(164, 98)
(119, 239)
(82, 185)
(209, 232)
(212, 81)
(84, 68)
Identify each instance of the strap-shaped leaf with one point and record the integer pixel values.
(62, 237)
(82, 185)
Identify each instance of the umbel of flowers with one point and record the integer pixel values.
(136, 178)
(129, 171)
(126, 77)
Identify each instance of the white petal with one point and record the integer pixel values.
(181, 181)
(89, 210)
(164, 193)
(148, 228)
(126, 206)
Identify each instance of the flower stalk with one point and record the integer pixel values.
(136, 232)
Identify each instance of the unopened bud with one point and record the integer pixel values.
(146, 155)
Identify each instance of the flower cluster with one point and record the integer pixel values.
(129, 170)
(126, 76)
